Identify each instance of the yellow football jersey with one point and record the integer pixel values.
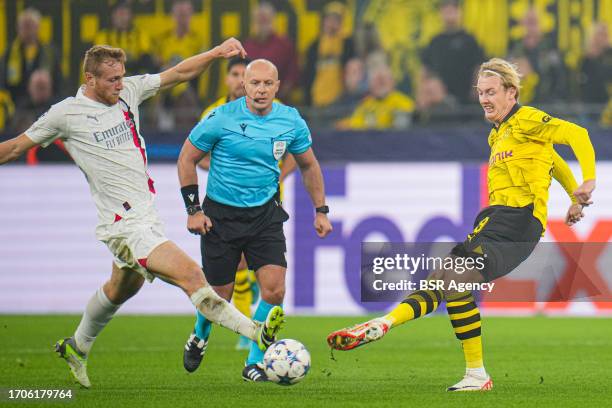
(523, 160)
(172, 49)
(135, 42)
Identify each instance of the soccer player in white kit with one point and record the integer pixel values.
(100, 129)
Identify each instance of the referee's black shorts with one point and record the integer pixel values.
(255, 231)
(506, 235)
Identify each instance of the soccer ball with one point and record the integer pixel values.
(286, 362)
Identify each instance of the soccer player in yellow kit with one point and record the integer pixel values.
(521, 166)
(245, 284)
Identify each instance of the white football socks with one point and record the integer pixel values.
(218, 310)
(479, 372)
(99, 311)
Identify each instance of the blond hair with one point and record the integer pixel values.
(98, 54)
(504, 70)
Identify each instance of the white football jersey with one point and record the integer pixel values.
(105, 142)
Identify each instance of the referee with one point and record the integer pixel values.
(241, 212)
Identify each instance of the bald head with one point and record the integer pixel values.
(261, 85)
(261, 67)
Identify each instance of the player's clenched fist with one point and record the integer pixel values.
(322, 225)
(199, 223)
(230, 48)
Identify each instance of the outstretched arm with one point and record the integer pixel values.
(190, 68)
(15, 147)
(578, 139)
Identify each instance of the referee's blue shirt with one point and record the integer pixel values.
(245, 150)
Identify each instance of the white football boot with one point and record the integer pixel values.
(473, 382)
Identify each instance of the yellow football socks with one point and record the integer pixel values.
(415, 305)
(465, 318)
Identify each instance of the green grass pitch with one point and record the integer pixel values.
(137, 361)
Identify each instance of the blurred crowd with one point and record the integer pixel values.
(341, 81)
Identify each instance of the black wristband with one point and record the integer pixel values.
(190, 195)
(323, 209)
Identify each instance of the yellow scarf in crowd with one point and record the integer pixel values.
(328, 82)
(16, 58)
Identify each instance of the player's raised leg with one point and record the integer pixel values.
(415, 305)
(171, 264)
(462, 310)
(123, 284)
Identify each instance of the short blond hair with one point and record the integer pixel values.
(98, 54)
(504, 70)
